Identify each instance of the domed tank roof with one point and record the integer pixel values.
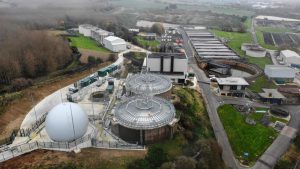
(66, 122)
(140, 112)
(140, 83)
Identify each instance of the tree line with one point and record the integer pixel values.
(28, 53)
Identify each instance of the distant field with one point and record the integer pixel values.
(139, 4)
(245, 138)
(235, 42)
(86, 43)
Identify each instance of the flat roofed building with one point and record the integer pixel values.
(173, 65)
(114, 44)
(280, 74)
(291, 58)
(232, 86)
(147, 36)
(271, 96)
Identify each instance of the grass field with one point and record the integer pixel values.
(261, 82)
(248, 23)
(261, 62)
(235, 42)
(86, 43)
(245, 138)
(147, 43)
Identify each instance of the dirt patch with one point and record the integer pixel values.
(91, 156)
(16, 111)
(85, 53)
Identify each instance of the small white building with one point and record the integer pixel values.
(114, 44)
(290, 58)
(232, 86)
(280, 74)
(86, 29)
(173, 65)
(99, 35)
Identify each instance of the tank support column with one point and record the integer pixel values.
(141, 137)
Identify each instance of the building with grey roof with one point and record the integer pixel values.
(280, 74)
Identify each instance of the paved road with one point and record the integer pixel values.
(254, 37)
(211, 104)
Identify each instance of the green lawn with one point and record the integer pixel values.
(147, 43)
(244, 137)
(257, 116)
(261, 62)
(86, 43)
(248, 23)
(261, 82)
(235, 42)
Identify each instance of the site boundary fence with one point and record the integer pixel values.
(18, 150)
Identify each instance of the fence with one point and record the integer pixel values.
(28, 147)
(65, 146)
(26, 132)
(115, 145)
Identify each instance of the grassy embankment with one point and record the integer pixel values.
(245, 138)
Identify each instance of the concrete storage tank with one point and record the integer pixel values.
(160, 86)
(144, 119)
(66, 122)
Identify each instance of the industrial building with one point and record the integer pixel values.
(232, 86)
(271, 96)
(160, 86)
(114, 44)
(148, 36)
(144, 118)
(290, 58)
(99, 35)
(280, 74)
(66, 122)
(172, 65)
(94, 32)
(207, 46)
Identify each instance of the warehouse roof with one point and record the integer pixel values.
(279, 71)
(232, 81)
(271, 93)
(290, 53)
